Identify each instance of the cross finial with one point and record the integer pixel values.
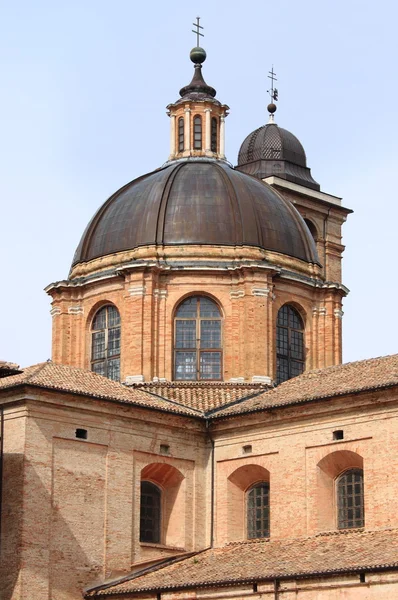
(273, 92)
(197, 31)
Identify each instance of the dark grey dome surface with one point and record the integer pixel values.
(196, 202)
(272, 150)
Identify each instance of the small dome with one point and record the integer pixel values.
(271, 150)
(197, 202)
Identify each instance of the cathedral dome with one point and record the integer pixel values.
(272, 150)
(196, 202)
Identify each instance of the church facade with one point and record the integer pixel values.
(195, 434)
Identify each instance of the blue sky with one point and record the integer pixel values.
(84, 90)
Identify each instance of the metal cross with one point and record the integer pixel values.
(197, 30)
(273, 92)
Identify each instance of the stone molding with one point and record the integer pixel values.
(260, 291)
(236, 294)
(262, 379)
(237, 380)
(321, 311)
(137, 291)
(338, 313)
(132, 379)
(160, 293)
(75, 310)
(55, 311)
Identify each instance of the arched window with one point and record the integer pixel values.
(197, 340)
(214, 134)
(197, 132)
(150, 512)
(257, 498)
(180, 134)
(312, 229)
(290, 360)
(350, 501)
(105, 343)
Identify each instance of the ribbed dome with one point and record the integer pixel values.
(271, 150)
(196, 202)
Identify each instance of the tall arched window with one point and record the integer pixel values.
(214, 134)
(197, 340)
(150, 512)
(105, 343)
(290, 360)
(180, 134)
(350, 500)
(257, 499)
(197, 132)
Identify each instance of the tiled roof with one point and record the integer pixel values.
(261, 560)
(203, 396)
(350, 378)
(53, 376)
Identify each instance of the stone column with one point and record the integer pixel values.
(222, 136)
(187, 130)
(208, 130)
(172, 136)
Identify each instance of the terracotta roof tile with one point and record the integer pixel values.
(268, 559)
(50, 375)
(203, 396)
(348, 378)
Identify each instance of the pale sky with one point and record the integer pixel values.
(84, 90)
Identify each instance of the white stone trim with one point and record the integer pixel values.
(55, 311)
(237, 380)
(75, 310)
(236, 294)
(131, 379)
(303, 190)
(262, 379)
(160, 293)
(320, 311)
(260, 291)
(137, 291)
(338, 313)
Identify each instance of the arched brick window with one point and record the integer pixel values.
(350, 499)
(257, 507)
(290, 360)
(150, 512)
(197, 132)
(180, 134)
(105, 342)
(214, 135)
(197, 340)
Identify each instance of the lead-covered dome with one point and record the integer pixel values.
(272, 150)
(196, 202)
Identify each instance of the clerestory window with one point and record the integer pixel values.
(197, 340)
(105, 342)
(214, 134)
(257, 506)
(180, 134)
(350, 499)
(290, 360)
(197, 132)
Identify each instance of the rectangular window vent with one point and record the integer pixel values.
(164, 449)
(81, 434)
(338, 435)
(247, 449)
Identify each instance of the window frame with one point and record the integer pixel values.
(342, 522)
(106, 359)
(198, 349)
(214, 135)
(288, 357)
(267, 532)
(159, 496)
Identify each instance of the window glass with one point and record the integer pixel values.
(350, 499)
(290, 360)
(258, 511)
(198, 329)
(214, 134)
(105, 343)
(180, 134)
(197, 133)
(150, 509)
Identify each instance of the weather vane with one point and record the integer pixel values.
(198, 27)
(273, 92)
